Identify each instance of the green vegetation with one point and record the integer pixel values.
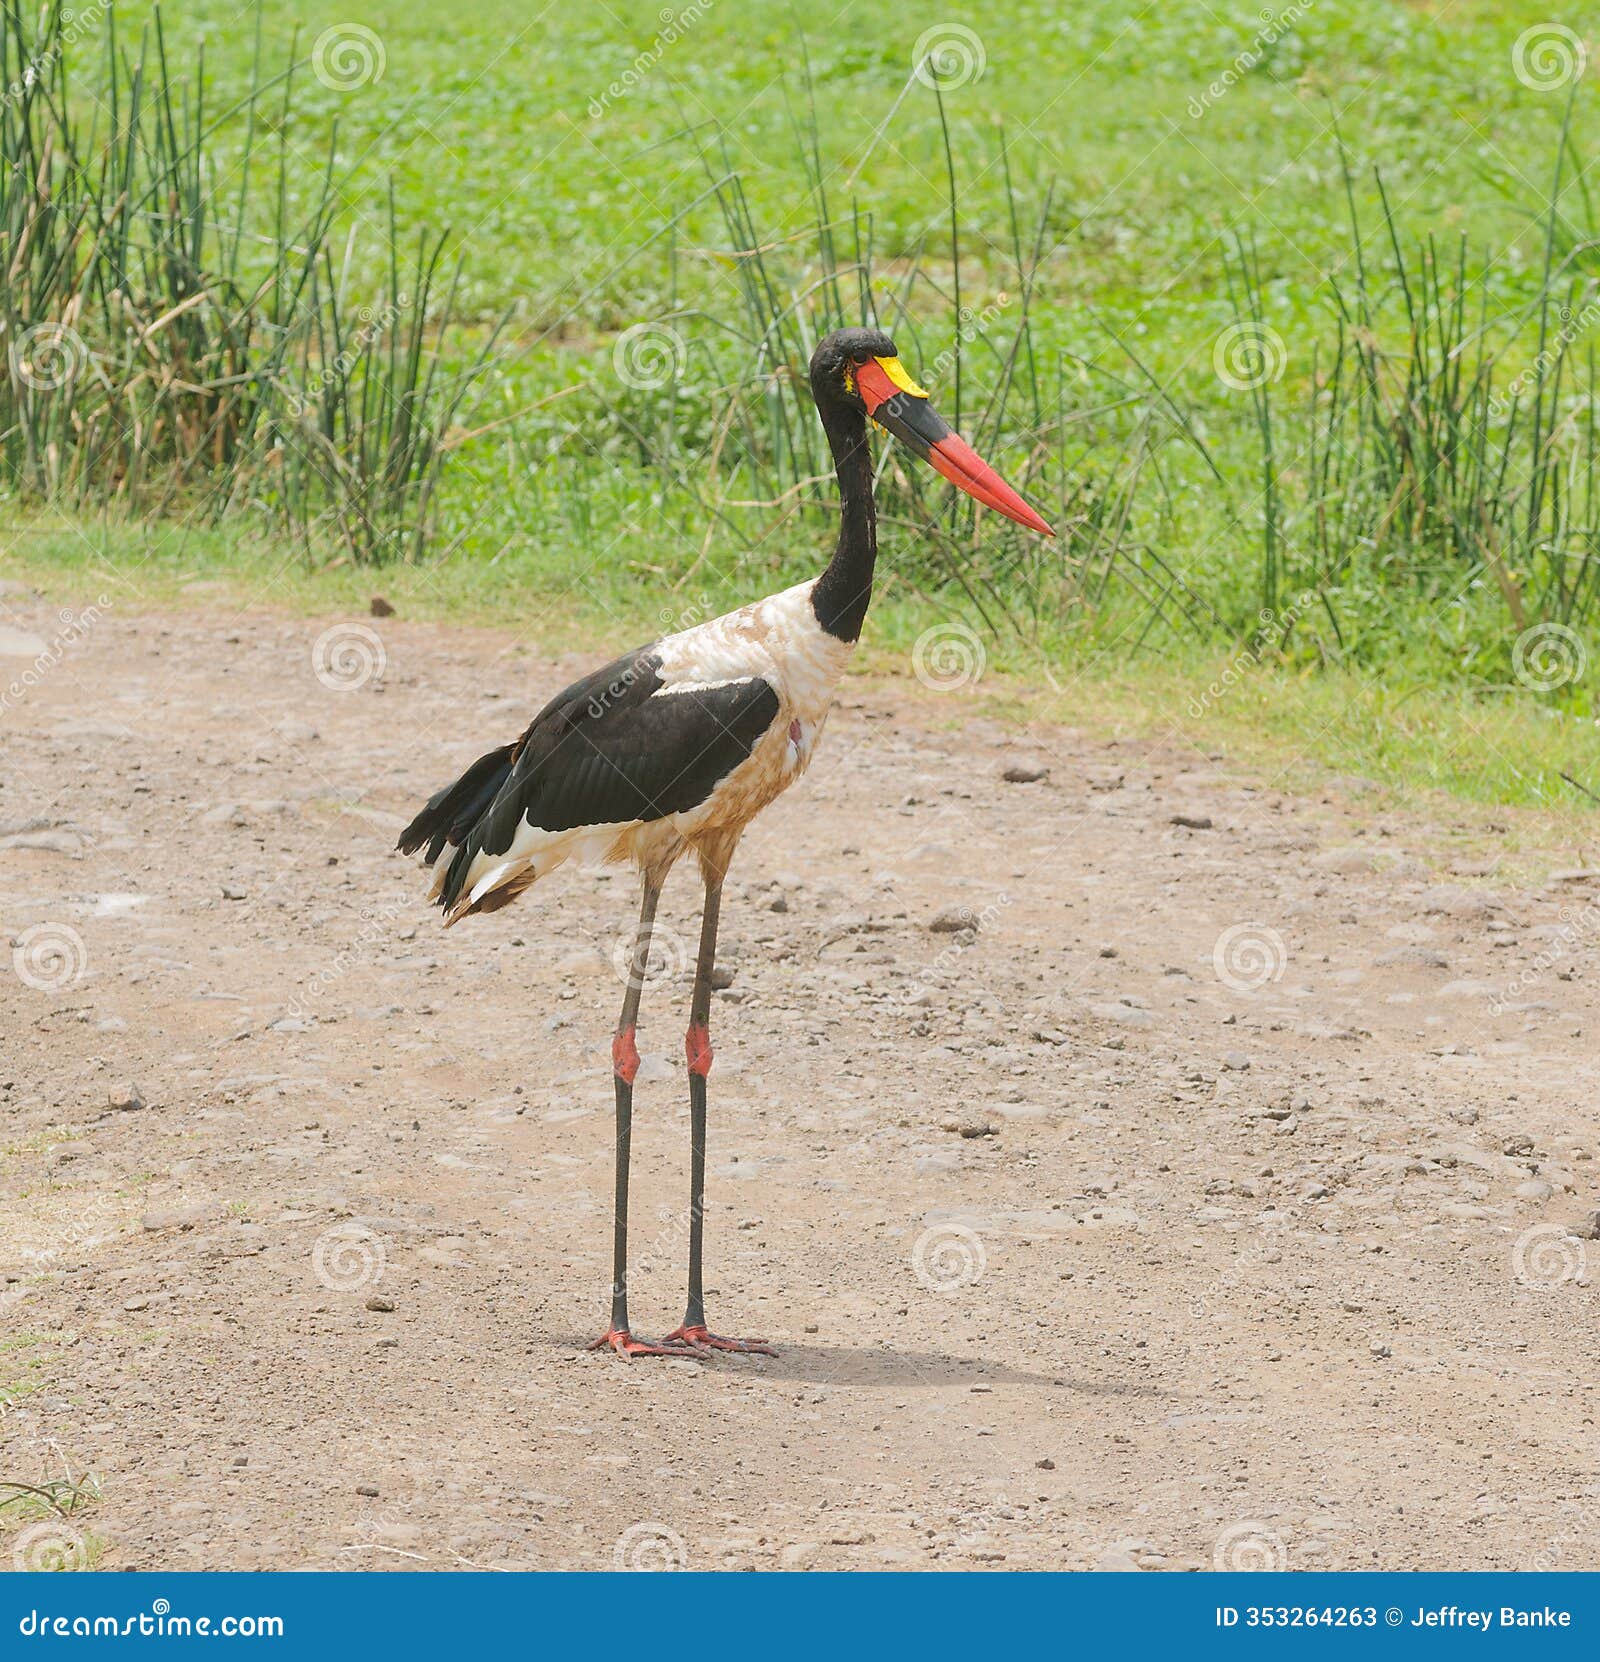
(1287, 322)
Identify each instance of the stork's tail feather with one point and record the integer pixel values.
(450, 816)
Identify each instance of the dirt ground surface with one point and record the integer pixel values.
(1135, 1167)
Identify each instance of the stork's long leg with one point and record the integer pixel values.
(697, 1049)
(624, 1067)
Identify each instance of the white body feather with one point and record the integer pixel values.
(778, 639)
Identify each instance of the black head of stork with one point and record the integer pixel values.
(857, 377)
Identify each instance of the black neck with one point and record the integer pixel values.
(844, 590)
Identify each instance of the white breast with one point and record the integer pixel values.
(778, 639)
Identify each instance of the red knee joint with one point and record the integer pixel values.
(625, 1056)
(697, 1047)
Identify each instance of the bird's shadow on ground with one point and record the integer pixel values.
(884, 1366)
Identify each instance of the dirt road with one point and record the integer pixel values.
(1222, 1197)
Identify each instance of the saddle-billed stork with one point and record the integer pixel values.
(679, 745)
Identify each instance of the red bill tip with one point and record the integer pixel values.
(963, 466)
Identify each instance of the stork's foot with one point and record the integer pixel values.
(623, 1343)
(703, 1340)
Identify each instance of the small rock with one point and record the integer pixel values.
(1587, 1229)
(178, 1217)
(1379, 1348)
(1024, 773)
(369, 1490)
(976, 1128)
(778, 903)
(140, 1303)
(126, 1098)
(1192, 822)
(380, 607)
(378, 1302)
(721, 978)
(1045, 1465)
(954, 920)
(1236, 1061)
(1534, 1189)
(1518, 1143)
(1414, 957)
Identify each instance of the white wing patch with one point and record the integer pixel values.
(700, 686)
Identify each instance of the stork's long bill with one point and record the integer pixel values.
(901, 407)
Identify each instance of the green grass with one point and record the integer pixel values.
(1416, 739)
(583, 511)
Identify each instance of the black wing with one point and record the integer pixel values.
(613, 747)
